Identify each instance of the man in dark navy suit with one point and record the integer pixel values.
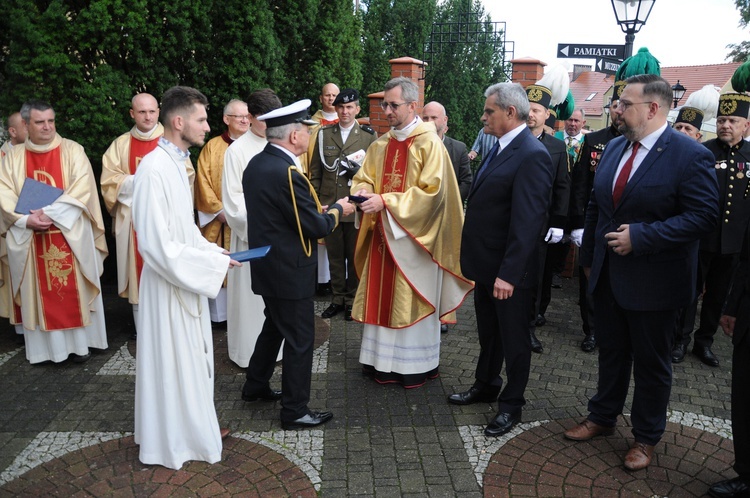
(655, 195)
(283, 212)
(506, 211)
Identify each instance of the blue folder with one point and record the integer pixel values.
(255, 253)
(36, 195)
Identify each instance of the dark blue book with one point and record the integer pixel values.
(255, 253)
(36, 195)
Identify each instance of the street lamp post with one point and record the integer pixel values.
(631, 15)
(677, 92)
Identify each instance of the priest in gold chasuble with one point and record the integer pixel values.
(407, 254)
(55, 253)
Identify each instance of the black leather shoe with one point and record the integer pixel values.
(332, 310)
(588, 344)
(730, 488)
(536, 344)
(556, 281)
(706, 356)
(501, 424)
(473, 395)
(270, 395)
(443, 328)
(678, 353)
(540, 321)
(348, 314)
(78, 358)
(310, 420)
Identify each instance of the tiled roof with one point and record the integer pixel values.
(693, 78)
(588, 83)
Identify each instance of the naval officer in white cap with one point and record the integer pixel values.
(284, 212)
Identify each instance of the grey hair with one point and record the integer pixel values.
(580, 109)
(409, 89)
(229, 104)
(510, 95)
(33, 104)
(281, 132)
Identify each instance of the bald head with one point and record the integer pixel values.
(16, 129)
(144, 109)
(327, 96)
(434, 112)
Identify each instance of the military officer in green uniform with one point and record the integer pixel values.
(338, 150)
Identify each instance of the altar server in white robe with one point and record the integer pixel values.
(244, 308)
(175, 417)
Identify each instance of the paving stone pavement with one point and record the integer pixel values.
(66, 429)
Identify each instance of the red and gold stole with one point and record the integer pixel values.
(56, 267)
(382, 270)
(138, 150)
(326, 122)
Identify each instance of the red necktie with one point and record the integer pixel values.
(622, 179)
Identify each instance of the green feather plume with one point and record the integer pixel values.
(566, 107)
(741, 78)
(641, 63)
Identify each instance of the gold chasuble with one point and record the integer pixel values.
(119, 164)
(422, 221)
(55, 273)
(208, 189)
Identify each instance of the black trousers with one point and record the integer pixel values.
(585, 303)
(741, 402)
(291, 321)
(503, 328)
(716, 272)
(340, 245)
(637, 341)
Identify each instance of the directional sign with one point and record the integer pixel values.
(574, 51)
(607, 66)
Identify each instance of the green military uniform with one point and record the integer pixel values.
(324, 172)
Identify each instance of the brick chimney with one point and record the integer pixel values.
(407, 67)
(527, 71)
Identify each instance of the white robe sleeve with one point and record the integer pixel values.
(170, 243)
(232, 195)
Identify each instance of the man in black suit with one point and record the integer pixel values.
(552, 233)
(506, 211)
(654, 196)
(719, 251)
(736, 323)
(434, 112)
(283, 212)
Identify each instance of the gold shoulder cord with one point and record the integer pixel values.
(307, 248)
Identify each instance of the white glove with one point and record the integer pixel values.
(554, 235)
(577, 236)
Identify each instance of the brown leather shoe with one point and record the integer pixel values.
(638, 456)
(224, 432)
(587, 430)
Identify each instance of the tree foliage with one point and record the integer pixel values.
(393, 28)
(740, 52)
(89, 57)
(466, 59)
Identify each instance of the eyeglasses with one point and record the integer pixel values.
(624, 104)
(392, 105)
(239, 116)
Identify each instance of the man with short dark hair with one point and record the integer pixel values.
(244, 308)
(175, 417)
(505, 216)
(55, 253)
(337, 149)
(654, 196)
